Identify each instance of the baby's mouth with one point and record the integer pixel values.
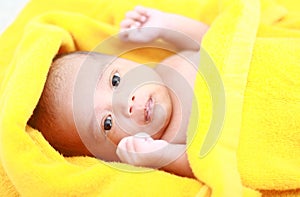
(148, 111)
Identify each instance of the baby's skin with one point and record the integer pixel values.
(141, 17)
(144, 25)
(162, 142)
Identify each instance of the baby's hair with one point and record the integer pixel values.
(44, 117)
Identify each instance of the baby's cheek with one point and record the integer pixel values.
(117, 135)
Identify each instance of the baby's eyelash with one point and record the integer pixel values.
(115, 79)
(107, 124)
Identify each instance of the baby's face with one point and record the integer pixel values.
(128, 98)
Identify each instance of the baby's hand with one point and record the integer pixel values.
(142, 151)
(142, 25)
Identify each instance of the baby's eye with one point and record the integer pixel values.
(107, 123)
(115, 81)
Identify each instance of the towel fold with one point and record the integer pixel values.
(269, 145)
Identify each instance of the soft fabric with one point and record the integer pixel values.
(270, 135)
(269, 145)
(260, 71)
(250, 43)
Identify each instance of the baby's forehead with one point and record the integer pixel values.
(76, 61)
(87, 67)
(76, 68)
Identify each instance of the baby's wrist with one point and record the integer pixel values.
(167, 26)
(165, 23)
(170, 153)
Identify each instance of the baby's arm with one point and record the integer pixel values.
(183, 31)
(146, 152)
(179, 164)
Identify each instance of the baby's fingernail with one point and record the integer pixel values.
(137, 24)
(143, 18)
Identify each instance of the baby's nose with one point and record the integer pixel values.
(137, 109)
(130, 106)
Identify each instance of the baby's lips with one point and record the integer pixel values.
(148, 110)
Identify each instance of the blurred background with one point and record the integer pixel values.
(9, 10)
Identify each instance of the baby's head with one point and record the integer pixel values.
(127, 98)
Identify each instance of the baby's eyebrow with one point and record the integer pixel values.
(103, 68)
(101, 74)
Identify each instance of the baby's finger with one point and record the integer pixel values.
(121, 151)
(127, 23)
(124, 156)
(123, 35)
(142, 11)
(135, 16)
(122, 144)
(142, 135)
(128, 144)
(125, 151)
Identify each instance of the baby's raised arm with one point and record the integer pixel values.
(179, 30)
(145, 25)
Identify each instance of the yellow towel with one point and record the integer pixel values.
(269, 148)
(31, 167)
(229, 43)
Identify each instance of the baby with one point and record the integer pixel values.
(139, 114)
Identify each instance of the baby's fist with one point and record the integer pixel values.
(141, 25)
(142, 150)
